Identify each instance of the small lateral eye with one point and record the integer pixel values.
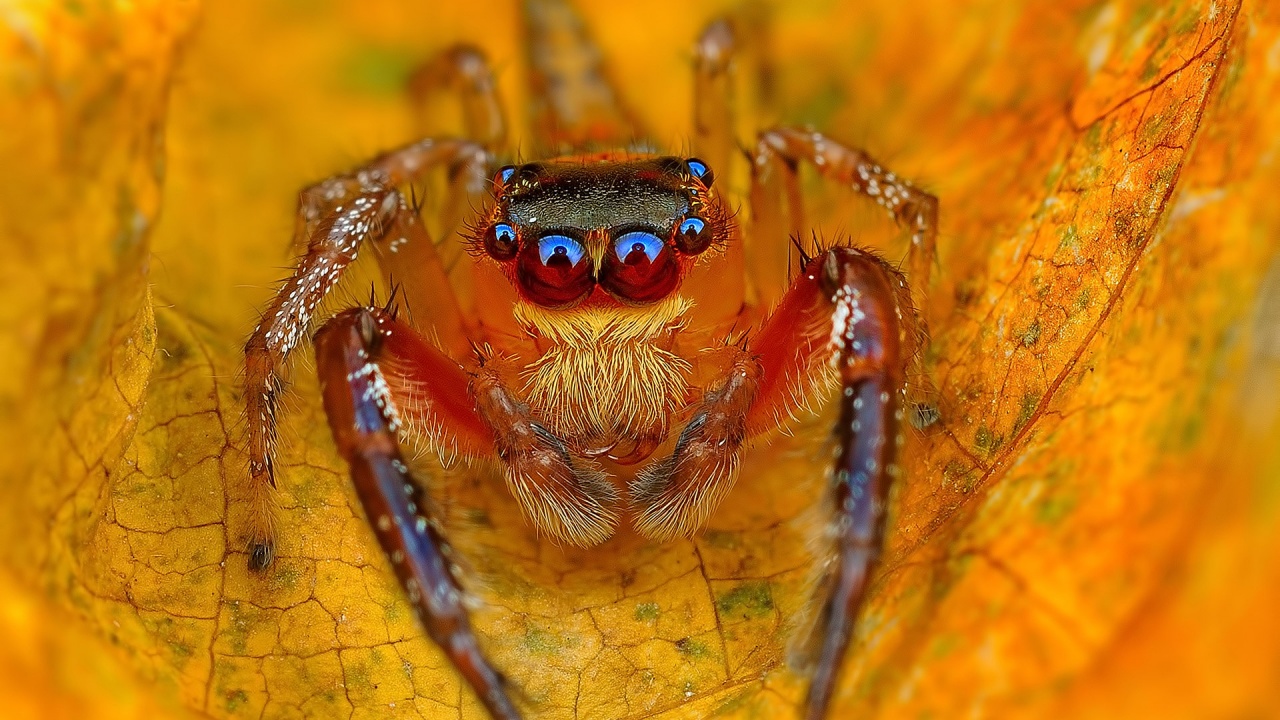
(500, 242)
(504, 174)
(560, 249)
(693, 236)
(700, 170)
(642, 242)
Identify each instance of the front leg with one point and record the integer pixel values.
(366, 422)
(333, 247)
(847, 322)
(471, 413)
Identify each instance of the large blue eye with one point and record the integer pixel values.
(644, 242)
(551, 247)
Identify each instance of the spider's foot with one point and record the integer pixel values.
(674, 496)
(261, 554)
(565, 500)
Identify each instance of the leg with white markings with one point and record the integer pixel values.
(366, 421)
(336, 219)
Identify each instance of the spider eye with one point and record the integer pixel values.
(699, 169)
(638, 242)
(501, 242)
(555, 271)
(693, 236)
(504, 174)
(640, 269)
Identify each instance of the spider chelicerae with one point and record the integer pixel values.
(613, 365)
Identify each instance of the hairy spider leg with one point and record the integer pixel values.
(381, 379)
(284, 324)
(575, 105)
(874, 341)
(359, 207)
(779, 152)
(776, 372)
(473, 414)
(845, 322)
(462, 71)
(365, 421)
(778, 155)
(434, 284)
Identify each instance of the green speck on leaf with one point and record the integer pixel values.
(1093, 137)
(986, 440)
(647, 612)
(748, 600)
(235, 699)
(1052, 509)
(692, 649)
(1069, 237)
(1082, 301)
(1031, 335)
(538, 641)
(1030, 401)
(943, 646)
(378, 70)
(959, 476)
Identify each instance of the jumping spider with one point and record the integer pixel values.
(626, 267)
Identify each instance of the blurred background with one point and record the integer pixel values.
(1090, 530)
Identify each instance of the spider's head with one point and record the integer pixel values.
(602, 230)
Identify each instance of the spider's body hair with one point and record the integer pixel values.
(608, 372)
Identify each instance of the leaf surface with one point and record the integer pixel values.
(1088, 529)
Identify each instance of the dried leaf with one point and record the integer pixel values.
(1088, 529)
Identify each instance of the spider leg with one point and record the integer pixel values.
(438, 294)
(845, 322)
(339, 215)
(472, 413)
(462, 69)
(717, 288)
(713, 96)
(575, 105)
(872, 342)
(778, 154)
(333, 247)
(365, 421)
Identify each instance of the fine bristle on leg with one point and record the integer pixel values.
(333, 247)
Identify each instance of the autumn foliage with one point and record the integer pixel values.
(1090, 528)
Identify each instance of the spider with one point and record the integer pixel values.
(613, 367)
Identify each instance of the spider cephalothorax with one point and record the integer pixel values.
(615, 378)
(597, 248)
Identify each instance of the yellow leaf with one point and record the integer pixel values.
(1088, 530)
